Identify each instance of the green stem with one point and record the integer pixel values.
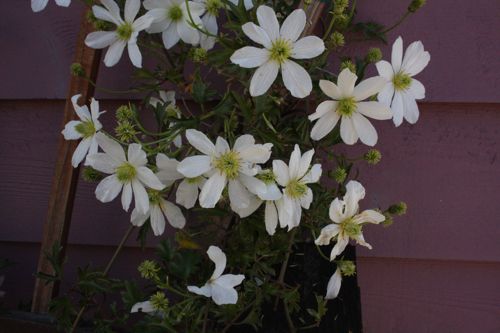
(397, 22)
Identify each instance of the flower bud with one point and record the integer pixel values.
(347, 267)
(124, 113)
(416, 5)
(339, 175)
(125, 131)
(337, 39)
(373, 156)
(198, 54)
(77, 70)
(398, 209)
(340, 6)
(159, 301)
(348, 64)
(90, 174)
(149, 269)
(374, 55)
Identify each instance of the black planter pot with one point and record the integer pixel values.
(311, 272)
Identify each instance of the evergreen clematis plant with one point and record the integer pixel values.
(230, 153)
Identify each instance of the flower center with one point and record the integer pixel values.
(346, 107)
(280, 50)
(154, 197)
(401, 81)
(86, 129)
(124, 31)
(229, 164)
(267, 177)
(126, 172)
(174, 13)
(213, 6)
(195, 180)
(295, 189)
(350, 228)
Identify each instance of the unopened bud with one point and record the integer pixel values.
(416, 5)
(339, 175)
(125, 131)
(90, 174)
(199, 54)
(373, 156)
(337, 39)
(149, 269)
(347, 267)
(374, 55)
(124, 113)
(348, 64)
(398, 209)
(77, 70)
(159, 301)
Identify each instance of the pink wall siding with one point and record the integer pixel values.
(434, 270)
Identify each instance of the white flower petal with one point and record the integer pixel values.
(417, 89)
(322, 109)
(268, 21)
(238, 195)
(324, 125)
(370, 216)
(346, 82)
(112, 7)
(360, 239)
(170, 37)
(206, 290)
(243, 142)
(114, 53)
(336, 211)
(148, 178)
(327, 233)
(397, 108)
(138, 218)
(347, 131)
(134, 54)
(272, 193)
(296, 79)
(254, 204)
(141, 197)
(281, 171)
(219, 258)
(222, 295)
(101, 39)
(187, 33)
(167, 169)
(101, 162)
(263, 78)
(385, 70)
(254, 185)
(106, 15)
(187, 194)
(333, 287)
(38, 5)
(374, 110)
(293, 25)
(69, 132)
(126, 196)
(271, 217)
(212, 190)
(308, 47)
(306, 200)
(339, 247)
(257, 34)
(221, 146)
(131, 9)
(294, 162)
(108, 189)
(411, 113)
(136, 156)
(144, 307)
(368, 87)
(195, 166)
(157, 220)
(305, 162)
(80, 152)
(416, 59)
(386, 94)
(313, 175)
(397, 54)
(256, 153)
(354, 193)
(250, 57)
(230, 280)
(200, 141)
(330, 89)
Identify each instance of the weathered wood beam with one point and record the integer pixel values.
(313, 10)
(65, 179)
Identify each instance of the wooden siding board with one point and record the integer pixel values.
(428, 296)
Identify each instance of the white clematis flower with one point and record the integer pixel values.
(347, 223)
(125, 34)
(129, 173)
(348, 107)
(86, 129)
(39, 5)
(188, 189)
(172, 19)
(235, 166)
(402, 90)
(280, 45)
(219, 287)
(294, 178)
(167, 98)
(270, 196)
